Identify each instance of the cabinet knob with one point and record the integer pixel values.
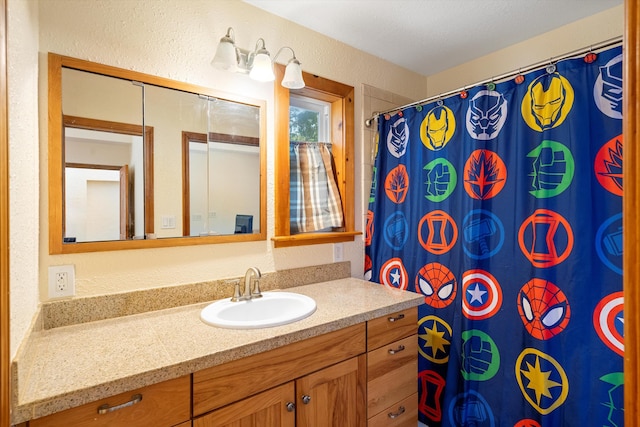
(393, 415)
(306, 399)
(291, 406)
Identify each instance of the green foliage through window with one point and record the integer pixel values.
(303, 125)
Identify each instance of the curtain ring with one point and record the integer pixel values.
(551, 68)
(590, 57)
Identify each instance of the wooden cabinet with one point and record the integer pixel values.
(331, 397)
(165, 404)
(323, 381)
(323, 378)
(392, 370)
(361, 375)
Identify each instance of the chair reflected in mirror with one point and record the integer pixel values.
(244, 224)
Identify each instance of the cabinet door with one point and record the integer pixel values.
(269, 408)
(334, 396)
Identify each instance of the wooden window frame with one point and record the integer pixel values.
(340, 96)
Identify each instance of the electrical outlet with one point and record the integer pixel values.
(338, 252)
(62, 281)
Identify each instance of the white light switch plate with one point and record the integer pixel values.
(338, 252)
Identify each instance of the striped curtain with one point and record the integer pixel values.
(315, 200)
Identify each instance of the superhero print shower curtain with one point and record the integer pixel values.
(502, 206)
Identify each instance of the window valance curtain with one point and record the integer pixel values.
(315, 203)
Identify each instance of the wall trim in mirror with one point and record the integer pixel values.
(151, 197)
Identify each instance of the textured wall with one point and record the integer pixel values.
(173, 39)
(177, 39)
(577, 35)
(22, 75)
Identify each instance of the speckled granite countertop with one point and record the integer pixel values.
(77, 364)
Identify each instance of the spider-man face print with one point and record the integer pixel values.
(438, 285)
(544, 308)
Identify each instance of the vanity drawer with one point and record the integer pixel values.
(400, 414)
(391, 327)
(227, 383)
(392, 372)
(160, 405)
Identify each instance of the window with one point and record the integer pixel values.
(333, 101)
(309, 119)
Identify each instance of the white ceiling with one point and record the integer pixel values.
(428, 36)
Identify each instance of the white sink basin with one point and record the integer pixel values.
(273, 309)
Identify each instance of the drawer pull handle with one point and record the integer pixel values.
(395, 319)
(291, 406)
(105, 409)
(393, 415)
(306, 399)
(397, 350)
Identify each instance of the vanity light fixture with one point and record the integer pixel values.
(257, 63)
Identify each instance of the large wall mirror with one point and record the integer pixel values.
(141, 161)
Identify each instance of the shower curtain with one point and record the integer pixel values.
(502, 206)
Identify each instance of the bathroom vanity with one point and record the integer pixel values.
(352, 363)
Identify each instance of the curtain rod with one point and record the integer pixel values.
(537, 65)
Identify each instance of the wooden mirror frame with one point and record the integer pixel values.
(55, 146)
(340, 96)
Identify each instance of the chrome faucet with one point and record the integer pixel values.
(252, 275)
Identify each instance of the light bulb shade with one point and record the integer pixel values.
(226, 58)
(293, 75)
(261, 69)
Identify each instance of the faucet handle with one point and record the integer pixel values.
(256, 288)
(236, 289)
